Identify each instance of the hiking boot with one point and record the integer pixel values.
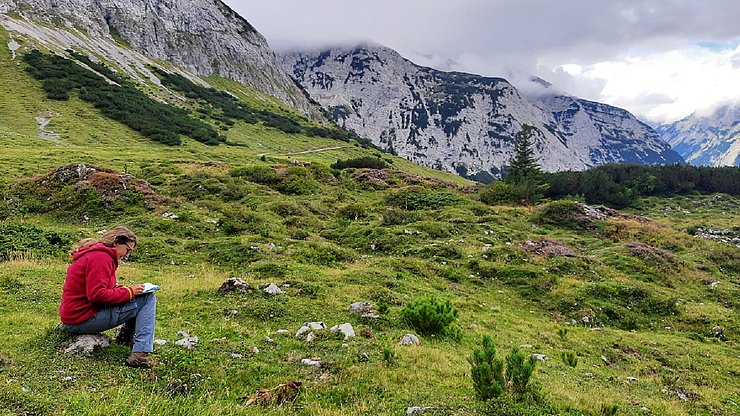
(140, 360)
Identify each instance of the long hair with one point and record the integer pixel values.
(118, 235)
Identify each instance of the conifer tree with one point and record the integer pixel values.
(524, 165)
(524, 173)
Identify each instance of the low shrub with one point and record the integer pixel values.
(519, 370)
(487, 371)
(569, 358)
(417, 198)
(429, 316)
(27, 238)
(360, 162)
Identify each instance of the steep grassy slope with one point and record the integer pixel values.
(329, 238)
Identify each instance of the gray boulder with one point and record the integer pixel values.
(346, 330)
(410, 339)
(87, 344)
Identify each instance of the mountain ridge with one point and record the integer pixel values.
(461, 122)
(707, 140)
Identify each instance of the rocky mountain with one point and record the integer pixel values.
(712, 140)
(466, 123)
(204, 36)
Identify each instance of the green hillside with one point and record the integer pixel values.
(635, 315)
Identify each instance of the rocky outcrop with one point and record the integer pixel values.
(712, 140)
(203, 36)
(466, 123)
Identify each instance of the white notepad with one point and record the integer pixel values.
(150, 287)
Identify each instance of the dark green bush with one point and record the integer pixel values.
(565, 214)
(352, 212)
(429, 316)
(418, 198)
(519, 369)
(23, 238)
(360, 162)
(487, 371)
(569, 358)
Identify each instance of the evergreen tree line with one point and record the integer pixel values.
(124, 103)
(618, 185)
(225, 108)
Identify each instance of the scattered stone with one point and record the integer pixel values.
(310, 337)
(417, 410)
(160, 342)
(364, 357)
(282, 332)
(86, 344)
(67, 379)
(235, 355)
(724, 235)
(170, 216)
(717, 332)
(363, 309)
(182, 334)
(269, 340)
(187, 342)
(272, 289)
(589, 375)
(345, 345)
(526, 346)
(605, 360)
(631, 379)
(234, 285)
(311, 363)
(541, 357)
(254, 350)
(410, 339)
(346, 330)
(233, 313)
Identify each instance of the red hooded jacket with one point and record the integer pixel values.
(90, 284)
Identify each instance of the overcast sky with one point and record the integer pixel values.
(660, 59)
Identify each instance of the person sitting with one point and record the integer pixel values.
(93, 301)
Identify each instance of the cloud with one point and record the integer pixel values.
(543, 37)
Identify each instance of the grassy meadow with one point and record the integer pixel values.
(269, 209)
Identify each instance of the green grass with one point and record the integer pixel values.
(342, 241)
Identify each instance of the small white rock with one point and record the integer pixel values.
(272, 289)
(160, 342)
(311, 363)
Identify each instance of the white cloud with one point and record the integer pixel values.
(632, 53)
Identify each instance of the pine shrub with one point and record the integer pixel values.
(519, 369)
(487, 371)
(569, 358)
(429, 316)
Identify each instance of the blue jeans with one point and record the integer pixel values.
(137, 316)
